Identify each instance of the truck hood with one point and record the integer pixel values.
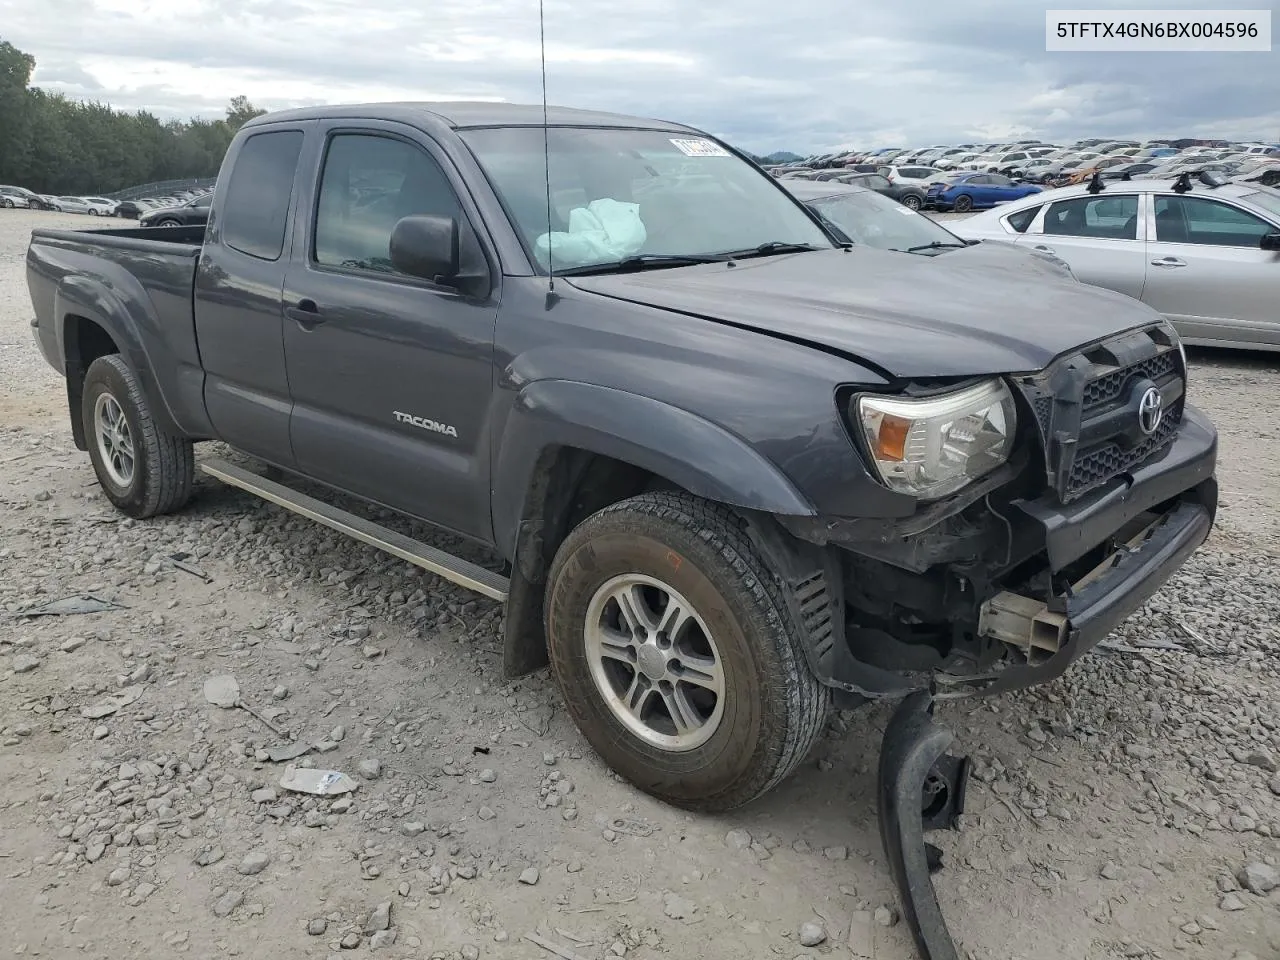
(954, 315)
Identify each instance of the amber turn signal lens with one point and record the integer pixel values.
(891, 440)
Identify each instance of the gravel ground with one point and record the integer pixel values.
(1131, 809)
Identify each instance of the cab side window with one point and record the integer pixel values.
(1208, 222)
(1103, 218)
(369, 183)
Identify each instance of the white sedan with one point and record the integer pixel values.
(94, 206)
(1203, 252)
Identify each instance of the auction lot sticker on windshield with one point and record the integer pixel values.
(700, 148)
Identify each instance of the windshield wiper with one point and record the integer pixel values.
(935, 245)
(645, 261)
(772, 247)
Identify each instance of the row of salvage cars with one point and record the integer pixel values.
(1201, 251)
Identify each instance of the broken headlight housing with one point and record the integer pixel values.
(933, 446)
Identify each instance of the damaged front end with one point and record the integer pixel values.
(1006, 584)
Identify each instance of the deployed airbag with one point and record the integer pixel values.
(603, 231)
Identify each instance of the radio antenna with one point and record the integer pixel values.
(546, 153)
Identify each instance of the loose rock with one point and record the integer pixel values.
(529, 876)
(253, 863)
(1258, 878)
(812, 934)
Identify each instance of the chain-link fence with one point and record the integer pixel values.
(160, 188)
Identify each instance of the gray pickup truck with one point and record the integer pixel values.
(734, 470)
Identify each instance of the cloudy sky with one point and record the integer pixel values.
(765, 74)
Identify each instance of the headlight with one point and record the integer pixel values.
(932, 447)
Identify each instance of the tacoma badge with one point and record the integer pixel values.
(435, 426)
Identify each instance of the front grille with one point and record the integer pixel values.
(1086, 409)
(1096, 466)
(1109, 386)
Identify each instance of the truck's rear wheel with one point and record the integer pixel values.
(677, 655)
(142, 470)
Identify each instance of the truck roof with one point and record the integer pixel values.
(465, 114)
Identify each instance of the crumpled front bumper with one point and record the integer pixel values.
(1183, 482)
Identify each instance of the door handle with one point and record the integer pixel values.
(305, 313)
(1168, 262)
(1043, 249)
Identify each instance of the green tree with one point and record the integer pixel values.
(15, 121)
(240, 111)
(51, 144)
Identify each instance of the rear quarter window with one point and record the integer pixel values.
(1022, 219)
(256, 207)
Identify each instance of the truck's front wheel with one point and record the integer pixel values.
(676, 653)
(142, 470)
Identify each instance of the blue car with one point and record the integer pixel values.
(976, 191)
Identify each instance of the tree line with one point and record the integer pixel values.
(52, 144)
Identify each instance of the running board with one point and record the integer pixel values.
(462, 572)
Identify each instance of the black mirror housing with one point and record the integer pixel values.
(426, 247)
(1270, 241)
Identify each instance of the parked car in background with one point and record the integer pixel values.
(867, 218)
(133, 209)
(100, 206)
(10, 197)
(1207, 257)
(83, 205)
(34, 200)
(976, 191)
(193, 213)
(908, 174)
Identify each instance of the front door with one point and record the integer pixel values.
(1098, 236)
(391, 376)
(1208, 273)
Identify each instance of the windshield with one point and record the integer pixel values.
(874, 220)
(633, 193)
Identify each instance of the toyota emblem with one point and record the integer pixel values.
(1150, 411)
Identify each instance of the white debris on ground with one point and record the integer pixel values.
(415, 805)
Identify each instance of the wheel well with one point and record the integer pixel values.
(84, 341)
(568, 485)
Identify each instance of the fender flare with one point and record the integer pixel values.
(81, 296)
(665, 440)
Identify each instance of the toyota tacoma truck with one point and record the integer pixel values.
(733, 470)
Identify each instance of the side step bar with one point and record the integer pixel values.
(453, 569)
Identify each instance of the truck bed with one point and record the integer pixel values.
(126, 237)
(136, 284)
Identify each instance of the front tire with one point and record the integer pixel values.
(912, 202)
(963, 204)
(677, 655)
(143, 471)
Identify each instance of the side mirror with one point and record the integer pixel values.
(1270, 241)
(443, 251)
(426, 247)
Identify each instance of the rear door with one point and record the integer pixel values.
(1101, 236)
(237, 295)
(1208, 273)
(391, 375)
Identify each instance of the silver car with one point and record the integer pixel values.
(1207, 257)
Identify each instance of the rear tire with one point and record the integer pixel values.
(963, 204)
(5, 202)
(735, 667)
(143, 471)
